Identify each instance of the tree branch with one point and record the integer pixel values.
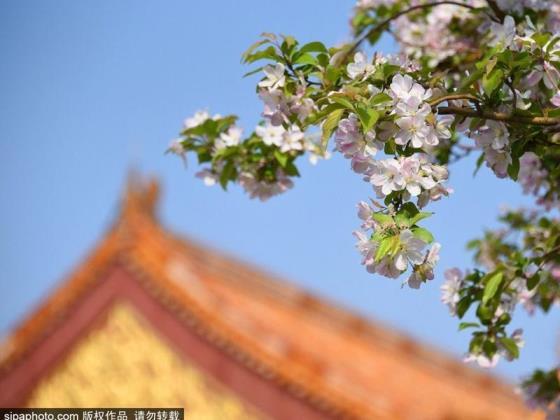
(499, 116)
(453, 97)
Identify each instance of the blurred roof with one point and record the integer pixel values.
(319, 353)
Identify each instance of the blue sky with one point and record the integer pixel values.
(90, 89)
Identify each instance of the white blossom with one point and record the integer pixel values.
(292, 139)
(360, 68)
(450, 289)
(502, 34)
(230, 138)
(198, 118)
(264, 190)
(176, 147)
(275, 77)
(350, 141)
(271, 134)
(405, 89)
(425, 271)
(387, 176)
(208, 177)
(411, 250)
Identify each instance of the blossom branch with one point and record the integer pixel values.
(387, 21)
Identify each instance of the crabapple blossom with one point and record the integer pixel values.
(198, 118)
(405, 90)
(485, 362)
(425, 271)
(292, 139)
(386, 176)
(271, 134)
(555, 100)
(264, 190)
(531, 174)
(230, 138)
(275, 77)
(208, 177)
(451, 287)
(360, 68)
(350, 141)
(502, 34)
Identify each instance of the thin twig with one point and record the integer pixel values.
(514, 93)
(452, 97)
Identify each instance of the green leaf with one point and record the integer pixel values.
(306, 59)
(252, 48)
(420, 216)
(282, 158)
(291, 169)
(314, 47)
(368, 117)
(493, 281)
(511, 346)
(479, 163)
(342, 100)
(463, 306)
(266, 54)
(465, 325)
(492, 81)
(255, 71)
(533, 281)
(227, 174)
(380, 98)
(332, 74)
(409, 215)
(383, 219)
(387, 246)
(473, 77)
(423, 234)
(513, 169)
(330, 124)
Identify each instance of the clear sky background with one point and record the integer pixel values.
(89, 89)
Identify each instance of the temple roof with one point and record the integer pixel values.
(326, 356)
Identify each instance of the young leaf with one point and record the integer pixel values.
(465, 325)
(492, 284)
(423, 234)
(342, 100)
(492, 81)
(368, 117)
(330, 124)
(383, 219)
(387, 246)
(533, 281)
(463, 306)
(511, 346)
(313, 47)
(282, 158)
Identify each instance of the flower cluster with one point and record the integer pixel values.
(487, 362)
(536, 180)
(493, 138)
(390, 244)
